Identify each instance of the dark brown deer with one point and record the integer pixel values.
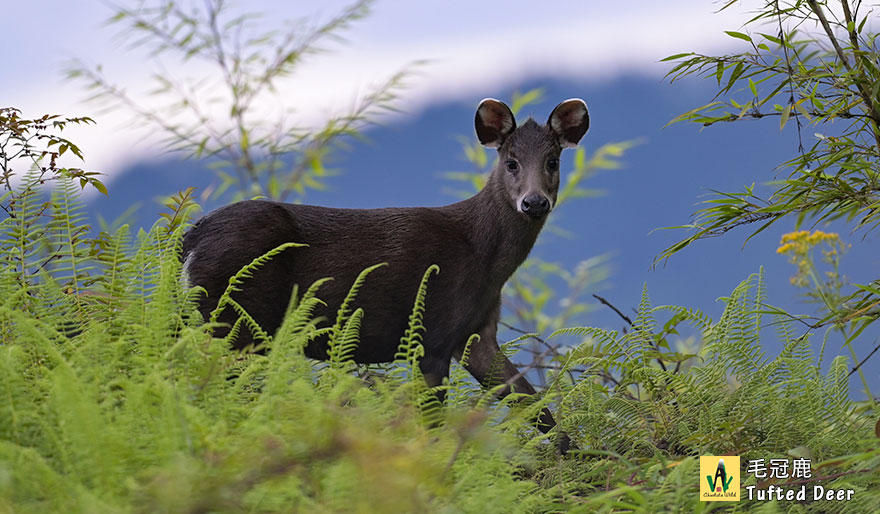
(478, 243)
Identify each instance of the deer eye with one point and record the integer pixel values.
(512, 165)
(553, 165)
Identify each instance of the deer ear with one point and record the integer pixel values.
(494, 122)
(569, 121)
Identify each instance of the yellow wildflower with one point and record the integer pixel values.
(802, 240)
(795, 236)
(798, 245)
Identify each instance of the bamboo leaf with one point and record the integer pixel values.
(786, 111)
(738, 35)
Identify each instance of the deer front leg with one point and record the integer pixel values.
(434, 370)
(488, 364)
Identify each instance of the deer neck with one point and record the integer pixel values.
(500, 237)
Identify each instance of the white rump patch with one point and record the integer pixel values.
(184, 272)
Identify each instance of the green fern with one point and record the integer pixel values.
(141, 409)
(236, 281)
(24, 237)
(342, 314)
(299, 318)
(410, 350)
(112, 252)
(341, 352)
(68, 233)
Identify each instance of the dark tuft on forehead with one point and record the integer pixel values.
(531, 135)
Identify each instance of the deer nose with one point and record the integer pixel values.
(535, 205)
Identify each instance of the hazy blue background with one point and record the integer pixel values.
(597, 52)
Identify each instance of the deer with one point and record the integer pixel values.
(477, 243)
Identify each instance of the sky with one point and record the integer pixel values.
(470, 47)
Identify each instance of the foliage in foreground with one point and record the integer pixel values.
(115, 398)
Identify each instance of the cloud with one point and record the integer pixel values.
(471, 47)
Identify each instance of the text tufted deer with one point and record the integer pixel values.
(478, 243)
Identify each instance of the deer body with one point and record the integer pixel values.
(477, 243)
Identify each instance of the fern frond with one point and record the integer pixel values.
(733, 338)
(410, 349)
(759, 302)
(68, 239)
(23, 242)
(696, 317)
(341, 349)
(245, 273)
(836, 388)
(600, 341)
(256, 330)
(466, 353)
(234, 331)
(112, 253)
(299, 318)
(639, 340)
(345, 307)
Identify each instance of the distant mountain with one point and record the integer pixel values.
(662, 182)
